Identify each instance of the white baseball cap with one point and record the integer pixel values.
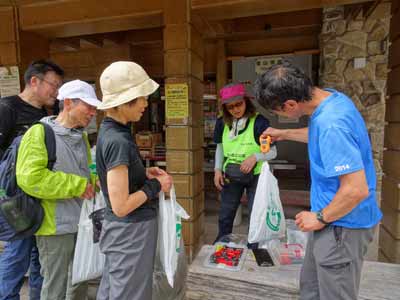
(78, 89)
(124, 81)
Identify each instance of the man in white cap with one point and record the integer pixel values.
(62, 189)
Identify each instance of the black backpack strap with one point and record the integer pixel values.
(50, 141)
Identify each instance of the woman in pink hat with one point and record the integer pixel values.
(238, 158)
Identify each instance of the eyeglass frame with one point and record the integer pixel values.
(231, 107)
(53, 85)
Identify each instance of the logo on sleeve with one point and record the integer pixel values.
(342, 168)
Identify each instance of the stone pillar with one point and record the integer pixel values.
(354, 60)
(389, 240)
(183, 68)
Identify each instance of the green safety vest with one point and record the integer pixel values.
(238, 149)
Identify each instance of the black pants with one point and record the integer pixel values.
(230, 199)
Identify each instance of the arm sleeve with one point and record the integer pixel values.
(340, 152)
(218, 131)
(116, 153)
(219, 157)
(7, 122)
(32, 174)
(260, 125)
(267, 156)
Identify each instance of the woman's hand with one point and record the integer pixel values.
(165, 181)
(248, 164)
(218, 179)
(154, 172)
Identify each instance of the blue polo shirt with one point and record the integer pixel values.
(338, 144)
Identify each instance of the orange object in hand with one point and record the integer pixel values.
(265, 144)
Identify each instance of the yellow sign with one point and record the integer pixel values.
(177, 100)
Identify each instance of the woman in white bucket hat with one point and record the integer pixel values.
(129, 233)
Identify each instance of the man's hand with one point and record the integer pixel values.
(248, 164)
(218, 179)
(153, 172)
(275, 134)
(297, 135)
(88, 193)
(307, 221)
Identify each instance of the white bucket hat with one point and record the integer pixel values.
(78, 89)
(124, 81)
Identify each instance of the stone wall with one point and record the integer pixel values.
(354, 60)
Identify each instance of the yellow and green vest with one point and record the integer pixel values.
(244, 145)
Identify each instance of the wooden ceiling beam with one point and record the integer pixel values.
(71, 17)
(67, 18)
(96, 41)
(276, 32)
(144, 36)
(299, 18)
(72, 43)
(273, 45)
(230, 9)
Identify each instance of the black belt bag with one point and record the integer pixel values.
(233, 174)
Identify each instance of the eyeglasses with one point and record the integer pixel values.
(53, 85)
(232, 106)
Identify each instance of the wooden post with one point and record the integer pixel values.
(183, 68)
(389, 235)
(221, 65)
(18, 48)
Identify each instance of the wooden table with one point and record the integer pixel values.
(379, 281)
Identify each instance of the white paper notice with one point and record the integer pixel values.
(9, 81)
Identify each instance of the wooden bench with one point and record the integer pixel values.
(379, 281)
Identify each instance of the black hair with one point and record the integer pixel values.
(249, 112)
(39, 68)
(280, 83)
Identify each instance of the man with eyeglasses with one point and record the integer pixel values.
(17, 113)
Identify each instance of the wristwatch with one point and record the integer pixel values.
(320, 217)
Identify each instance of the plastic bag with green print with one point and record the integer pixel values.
(267, 221)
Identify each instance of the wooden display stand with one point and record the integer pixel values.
(379, 281)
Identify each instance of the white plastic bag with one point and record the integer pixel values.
(88, 260)
(170, 233)
(267, 221)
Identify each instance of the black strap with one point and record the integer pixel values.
(50, 141)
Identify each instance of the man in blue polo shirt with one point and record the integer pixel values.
(344, 211)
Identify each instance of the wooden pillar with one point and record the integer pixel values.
(18, 48)
(221, 65)
(183, 68)
(9, 52)
(389, 235)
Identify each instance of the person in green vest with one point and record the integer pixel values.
(238, 158)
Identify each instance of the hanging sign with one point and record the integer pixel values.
(177, 100)
(263, 64)
(9, 81)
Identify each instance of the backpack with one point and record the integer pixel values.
(21, 215)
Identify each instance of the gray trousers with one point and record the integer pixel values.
(56, 254)
(130, 252)
(333, 263)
